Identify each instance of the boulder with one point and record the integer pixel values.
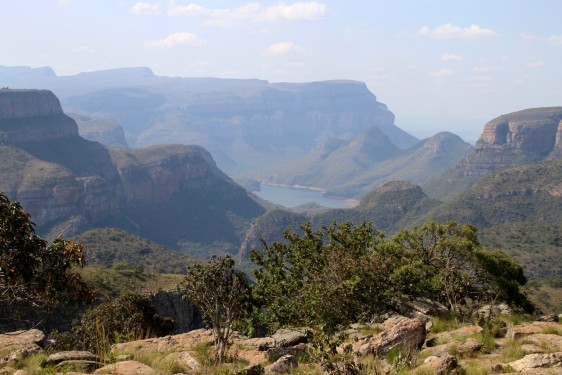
(492, 311)
(274, 353)
(290, 336)
(126, 368)
(551, 341)
(549, 318)
(534, 361)
(261, 343)
(79, 365)
(422, 308)
(283, 365)
(523, 330)
(252, 370)
(184, 360)
(395, 332)
(21, 339)
(72, 355)
(438, 365)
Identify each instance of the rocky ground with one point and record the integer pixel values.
(403, 345)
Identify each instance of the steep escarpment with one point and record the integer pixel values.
(174, 195)
(247, 124)
(19, 110)
(518, 138)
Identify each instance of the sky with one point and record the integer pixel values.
(437, 64)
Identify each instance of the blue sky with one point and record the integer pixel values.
(437, 64)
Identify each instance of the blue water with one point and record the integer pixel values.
(292, 197)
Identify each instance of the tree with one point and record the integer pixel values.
(445, 263)
(33, 272)
(222, 294)
(346, 273)
(327, 277)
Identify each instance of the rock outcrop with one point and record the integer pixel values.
(523, 137)
(527, 136)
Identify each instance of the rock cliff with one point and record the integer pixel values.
(247, 124)
(171, 194)
(517, 138)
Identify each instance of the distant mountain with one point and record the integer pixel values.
(359, 166)
(518, 138)
(173, 194)
(246, 124)
(104, 130)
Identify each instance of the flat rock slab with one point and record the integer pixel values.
(290, 337)
(126, 368)
(76, 364)
(283, 365)
(534, 361)
(527, 329)
(397, 331)
(72, 355)
(551, 341)
(184, 341)
(439, 365)
(21, 339)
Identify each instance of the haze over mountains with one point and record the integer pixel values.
(332, 134)
(246, 124)
(172, 194)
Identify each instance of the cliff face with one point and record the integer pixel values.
(517, 138)
(16, 104)
(528, 136)
(70, 184)
(19, 111)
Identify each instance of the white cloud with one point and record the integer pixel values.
(451, 57)
(175, 40)
(83, 49)
(536, 64)
(283, 48)
(555, 39)
(484, 69)
(411, 66)
(449, 31)
(477, 78)
(443, 73)
(310, 10)
(145, 9)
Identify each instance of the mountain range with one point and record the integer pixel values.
(173, 194)
(334, 134)
(246, 124)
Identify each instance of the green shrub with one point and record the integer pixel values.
(125, 318)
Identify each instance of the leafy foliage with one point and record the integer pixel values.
(222, 294)
(348, 273)
(308, 281)
(33, 272)
(124, 318)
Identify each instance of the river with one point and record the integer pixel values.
(290, 197)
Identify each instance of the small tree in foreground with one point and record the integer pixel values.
(222, 294)
(33, 272)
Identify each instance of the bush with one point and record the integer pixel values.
(125, 318)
